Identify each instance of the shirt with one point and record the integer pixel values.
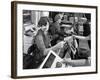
(42, 40)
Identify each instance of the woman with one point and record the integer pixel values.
(84, 37)
(55, 30)
(82, 57)
(42, 42)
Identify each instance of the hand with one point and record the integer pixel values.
(74, 36)
(61, 44)
(66, 60)
(58, 46)
(68, 38)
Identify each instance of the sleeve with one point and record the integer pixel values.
(52, 29)
(40, 43)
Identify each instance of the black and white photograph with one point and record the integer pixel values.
(54, 39)
(66, 34)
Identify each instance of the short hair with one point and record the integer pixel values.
(43, 21)
(57, 17)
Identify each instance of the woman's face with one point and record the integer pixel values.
(45, 28)
(59, 20)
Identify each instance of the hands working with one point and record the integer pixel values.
(68, 39)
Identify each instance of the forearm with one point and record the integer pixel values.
(55, 48)
(82, 37)
(80, 62)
